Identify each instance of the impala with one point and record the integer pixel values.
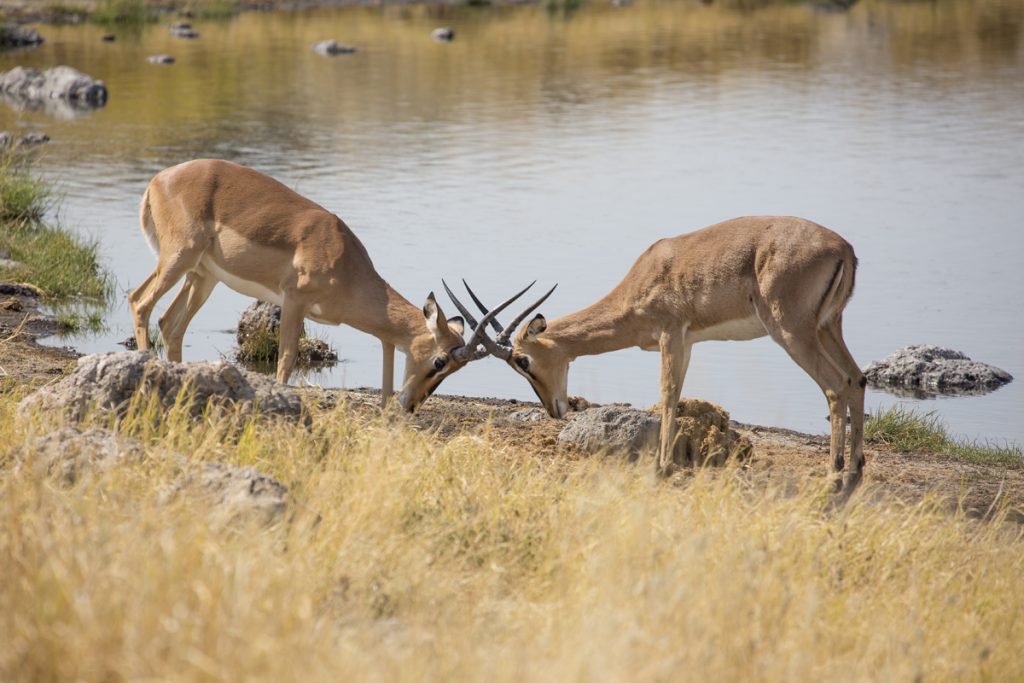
(784, 277)
(213, 221)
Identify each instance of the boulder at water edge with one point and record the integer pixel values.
(925, 370)
(19, 36)
(60, 82)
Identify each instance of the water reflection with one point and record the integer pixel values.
(56, 107)
(559, 146)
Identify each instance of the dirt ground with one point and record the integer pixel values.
(779, 455)
(22, 360)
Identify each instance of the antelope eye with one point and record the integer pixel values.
(439, 363)
(523, 362)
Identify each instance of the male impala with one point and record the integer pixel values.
(742, 279)
(213, 221)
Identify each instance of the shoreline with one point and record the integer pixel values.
(28, 12)
(780, 455)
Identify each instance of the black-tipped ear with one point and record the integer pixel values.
(457, 325)
(535, 327)
(430, 308)
(434, 317)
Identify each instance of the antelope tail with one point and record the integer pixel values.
(147, 224)
(839, 291)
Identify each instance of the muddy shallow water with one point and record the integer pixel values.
(557, 147)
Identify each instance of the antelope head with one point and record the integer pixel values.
(532, 354)
(441, 350)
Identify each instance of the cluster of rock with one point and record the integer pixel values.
(179, 29)
(109, 382)
(71, 456)
(259, 330)
(183, 29)
(333, 48)
(925, 370)
(62, 90)
(704, 435)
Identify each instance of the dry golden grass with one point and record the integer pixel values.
(409, 558)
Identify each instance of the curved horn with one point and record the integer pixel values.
(483, 309)
(490, 348)
(503, 338)
(462, 309)
(466, 351)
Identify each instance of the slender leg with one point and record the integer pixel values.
(837, 406)
(140, 316)
(387, 384)
(800, 338)
(172, 263)
(675, 355)
(179, 314)
(142, 299)
(292, 315)
(832, 339)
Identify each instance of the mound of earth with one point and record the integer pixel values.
(259, 329)
(703, 436)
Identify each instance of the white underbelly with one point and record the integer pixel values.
(740, 329)
(246, 287)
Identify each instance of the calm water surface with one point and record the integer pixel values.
(553, 147)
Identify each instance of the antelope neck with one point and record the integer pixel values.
(388, 315)
(607, 325)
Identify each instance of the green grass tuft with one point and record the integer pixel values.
(564, 8)
(907, 430)
(123, 12)
(57, 261)
(24, 197)
(259, 346)
(258, 349)
(60, 263)
(73, 322)
(212, 9)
